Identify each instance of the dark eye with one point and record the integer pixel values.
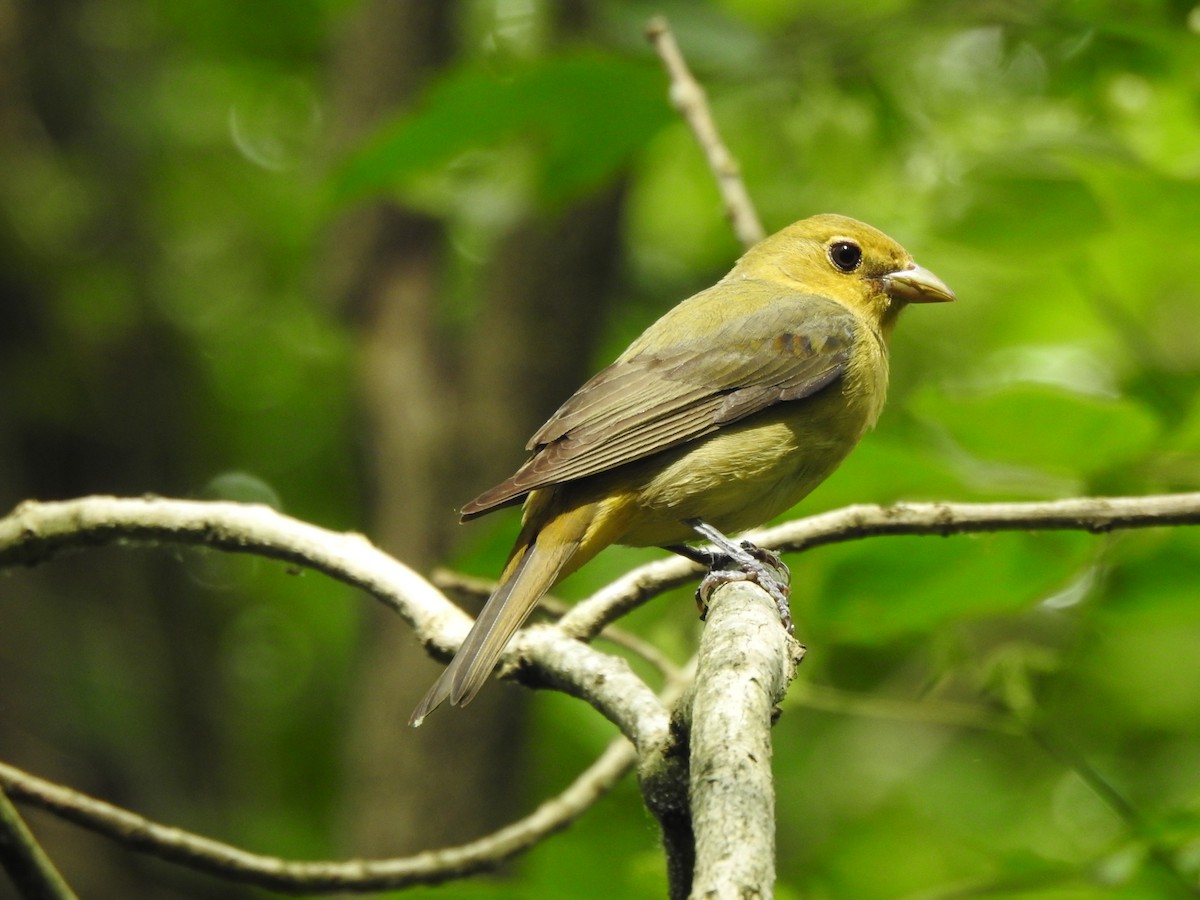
(846, 255)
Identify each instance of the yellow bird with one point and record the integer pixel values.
(728, 410)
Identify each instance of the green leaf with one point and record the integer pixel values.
(1043, 427)
(587, 115)
(875, 591)
(1022, 210)
(882, 470)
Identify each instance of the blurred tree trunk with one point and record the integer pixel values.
(443, 414)
(114, 413)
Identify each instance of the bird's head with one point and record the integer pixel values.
(848, 260)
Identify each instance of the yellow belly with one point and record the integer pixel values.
(740, 477)
(734, 479)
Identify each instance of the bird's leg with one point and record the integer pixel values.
(739, 562)
(704, 557)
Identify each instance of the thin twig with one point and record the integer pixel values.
(36, 531)
(687, 96)
(1097, 515)
(31, 871)
(309, 877)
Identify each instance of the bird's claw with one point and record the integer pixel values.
(745, 562)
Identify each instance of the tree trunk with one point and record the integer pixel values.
(444, 415)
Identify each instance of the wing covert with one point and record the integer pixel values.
(788, 346)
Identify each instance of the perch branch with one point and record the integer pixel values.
(1097, 515)
(35, 532)
(481, 589)
(744, 666)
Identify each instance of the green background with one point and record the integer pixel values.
(970, 709)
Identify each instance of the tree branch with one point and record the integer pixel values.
(745, 663)
(358, 875)
(482, 588)
(1097, 515)
(687, 96)
(35, 532)
(31, 871)
(548, 654)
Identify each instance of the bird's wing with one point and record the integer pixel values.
(651, 400)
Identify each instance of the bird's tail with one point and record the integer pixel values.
(537, 562)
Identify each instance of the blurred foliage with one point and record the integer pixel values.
(1044, 159)
(560, 107)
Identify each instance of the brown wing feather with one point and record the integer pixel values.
(649, 401)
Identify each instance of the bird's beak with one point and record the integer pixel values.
(916, 284)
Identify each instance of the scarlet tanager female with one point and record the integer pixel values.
(729, 410)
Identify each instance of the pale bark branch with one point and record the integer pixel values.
(34, 532)
(547, 655)
(1097, 515)
(482, 588)
(688, 97)
(358, 875)
(30, 869)
(745, 664)
(592, 615)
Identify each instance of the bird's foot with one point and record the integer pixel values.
(743, 561)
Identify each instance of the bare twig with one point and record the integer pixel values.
(31, 871)
(687, 96)
(590, 616)
(549, 654)
(359, 875)
(1094, 514)
(35, 532)
(1098, 515)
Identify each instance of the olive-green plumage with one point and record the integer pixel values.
(730, 409)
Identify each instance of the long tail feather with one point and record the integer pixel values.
(531, 572)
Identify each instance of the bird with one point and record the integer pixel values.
(725, 412)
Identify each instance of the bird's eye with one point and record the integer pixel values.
(845, 255)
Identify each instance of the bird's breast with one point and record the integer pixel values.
(741, 475)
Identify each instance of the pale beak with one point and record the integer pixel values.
(916, 284)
